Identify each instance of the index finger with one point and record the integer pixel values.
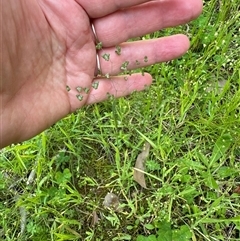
(144, 18)
(100, 8)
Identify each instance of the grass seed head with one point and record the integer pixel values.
(118, 50)
(80, 97)
(106, 56)
(95, 85)
(68, 88)
(79, 89)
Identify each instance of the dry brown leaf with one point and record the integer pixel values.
(95, 218)
(111, 200)
(138, 174)
(237, 190)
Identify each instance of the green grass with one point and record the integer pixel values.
(190, 116)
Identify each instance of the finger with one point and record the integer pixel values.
(118, 86)
(133, 55)
(145, 18)
(100, 8)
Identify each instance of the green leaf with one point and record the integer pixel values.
(123, 237)
(152, 237)
(210, 181)
(149, 226)
(141, 238)
(192, 164)
(221, 146)
(65, 237)
(224, 172)
(164, 231)
(67, 174)
(183, 234)
(64, 177)
(221, 220)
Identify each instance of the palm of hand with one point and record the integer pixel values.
(72, 50)
(49, 46)
(64, 55)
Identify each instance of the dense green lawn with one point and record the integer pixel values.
(53, 186)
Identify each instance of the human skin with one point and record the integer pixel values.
(47, 45)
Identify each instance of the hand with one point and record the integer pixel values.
(48, 46)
